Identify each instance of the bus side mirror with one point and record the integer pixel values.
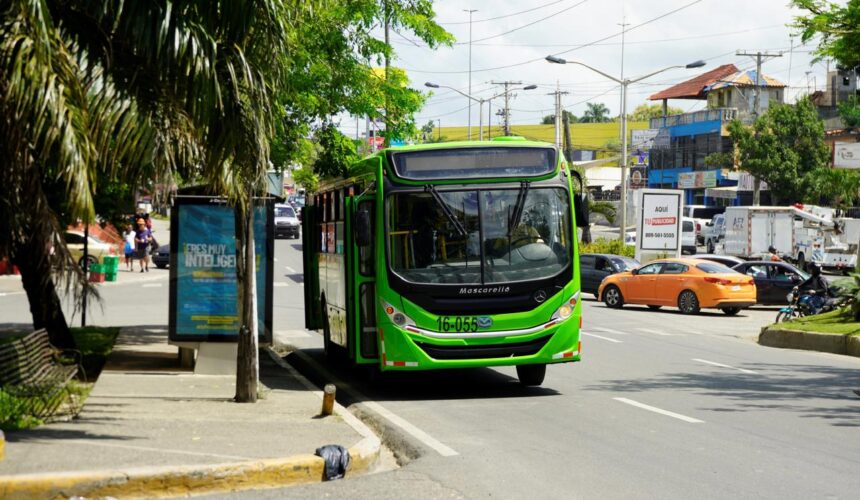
(363, 235)
(580, 209)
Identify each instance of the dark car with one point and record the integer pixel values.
(726, 260)
(161, 259)
(773, 280)
(593, 267)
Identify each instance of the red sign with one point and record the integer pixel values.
(661, 221)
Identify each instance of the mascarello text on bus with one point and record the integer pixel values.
(448, 256)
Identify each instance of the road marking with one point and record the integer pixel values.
(607, 330)
(655, 332)
(292, 334)
(417, 433)
(280, 283)
(411, 429)
(742, 370)
(290, 269)
(599, 337)
(151, 285)
(660, 411)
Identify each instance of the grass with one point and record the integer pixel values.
(95, 345)
(840, 322)
(590, 136)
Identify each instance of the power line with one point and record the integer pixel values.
(526, 25)
(412, 70)
(504, 16)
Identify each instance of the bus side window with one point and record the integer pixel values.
(366, 253)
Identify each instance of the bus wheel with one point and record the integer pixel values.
(531, 374)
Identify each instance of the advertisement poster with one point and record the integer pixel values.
(690, 180)
(659, 224)
(204, 294)
(846, 154)
(638, 177)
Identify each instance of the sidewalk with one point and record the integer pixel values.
(150, 429)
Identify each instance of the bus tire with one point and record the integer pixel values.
(531, 375)
(612, 297)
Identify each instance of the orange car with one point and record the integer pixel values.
(689, 284)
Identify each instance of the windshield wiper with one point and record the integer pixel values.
(517, 214)
(429, 188)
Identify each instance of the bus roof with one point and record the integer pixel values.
(505, 141)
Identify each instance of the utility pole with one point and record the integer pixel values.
(385, 85)
(760, 57)
(623, 119)
(507, 112)
(470, 11)
(559, 112)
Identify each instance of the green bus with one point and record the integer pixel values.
(451, 255)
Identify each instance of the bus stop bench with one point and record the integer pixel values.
(38, 375)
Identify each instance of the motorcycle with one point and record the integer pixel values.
(803, 304)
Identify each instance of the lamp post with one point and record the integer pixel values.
(624, 82)
(479, 101)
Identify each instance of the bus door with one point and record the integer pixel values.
(362, 286)
(310, 264)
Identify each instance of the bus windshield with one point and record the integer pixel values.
(479, 236)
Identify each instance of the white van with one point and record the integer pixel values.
(688, 235)
(286, 221)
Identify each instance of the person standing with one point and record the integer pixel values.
(128, 236)
(142, 238)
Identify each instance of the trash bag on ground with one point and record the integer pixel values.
(336, 459)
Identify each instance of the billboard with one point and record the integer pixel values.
(691, 180)
(644, 138)
(846, 154)
(658, 227)
(203, 286)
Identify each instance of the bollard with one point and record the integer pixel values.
(328, 399)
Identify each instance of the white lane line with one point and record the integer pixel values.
(290, 269)
(713, 363)
(151, 285)
(292, 334)
(280, 283)
(607, 330)
(417, 433)
(411, 429)
(600, 337)
(654, 332)
(660, 411)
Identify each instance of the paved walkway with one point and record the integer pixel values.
(146, 417)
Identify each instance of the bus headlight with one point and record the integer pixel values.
(396, 317)
(566, 308)
(564, 311)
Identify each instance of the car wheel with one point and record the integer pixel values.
(161, 266)
(612, 297)
(654, 308)
(688, 303)
(531, 374)
(731, 311)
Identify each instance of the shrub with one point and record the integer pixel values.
(848, 289)
(13, 415)
(603, 245)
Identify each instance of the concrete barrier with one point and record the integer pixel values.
(810, 341)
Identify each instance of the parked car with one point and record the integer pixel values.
(773, 280)
(688, 236)
(593, 267)
(726, 260)
(286, 222)
(714, 232)
(701, 214)
(161, 259)
(96, 248)
(688, 284)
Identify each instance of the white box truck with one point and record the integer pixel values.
(750, 231)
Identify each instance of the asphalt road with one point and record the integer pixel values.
(662, 406)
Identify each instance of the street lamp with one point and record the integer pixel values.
(624, 84)
(480, 102)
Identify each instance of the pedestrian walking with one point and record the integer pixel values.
(142, 238)
(128, 250)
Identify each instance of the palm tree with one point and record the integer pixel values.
(596, 113)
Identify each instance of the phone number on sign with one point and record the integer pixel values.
(659, 235)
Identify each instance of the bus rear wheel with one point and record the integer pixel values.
(531, 374)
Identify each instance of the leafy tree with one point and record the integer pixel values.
(550, 119)
(837, 25)
(645, 112)
(783, 147)
(849, 111)
(306, 178)
(719, 160)
(597, 112)
(836, 187)
(336, 152)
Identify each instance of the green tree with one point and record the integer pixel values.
(550, 119)
(336, 152)
(306, 178)
(836, 187)
(645, 112)
(719, 160)
(596, 112)
(838, 27)
(783, 147)
(849, 111)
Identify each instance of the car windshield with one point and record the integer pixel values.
(715, 268)
(284, 212)
(474, 236)
(625, 264)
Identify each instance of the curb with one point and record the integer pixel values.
(810, 341)
(170, 481)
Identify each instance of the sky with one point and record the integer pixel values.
(511, 38)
